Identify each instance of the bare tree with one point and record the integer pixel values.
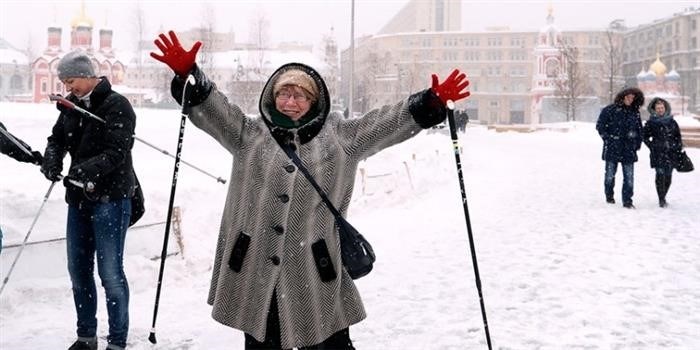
(207, 37)
(570, 84)
(612, 57)
(366, 90)
(244, 88)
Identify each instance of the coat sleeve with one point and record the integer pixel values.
(391, 124)
(638, 130)
(602, 124)
(210, 110)
(7, 146)
(55, 147)
(678, 139)
(647, 134)
(120, 122)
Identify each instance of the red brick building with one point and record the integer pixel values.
(44, 75)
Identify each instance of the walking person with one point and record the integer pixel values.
(620, 127)
(663, 137)
(278, 275)
(99, 213)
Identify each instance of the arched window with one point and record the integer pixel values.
(551, 68)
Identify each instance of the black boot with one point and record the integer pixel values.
(84, 344)
(667, 184)
(660, 182)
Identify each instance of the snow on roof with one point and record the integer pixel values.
(10, 55)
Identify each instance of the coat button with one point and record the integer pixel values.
(290, 168)
(293, 146)
(279, 229)
(275, 260)
(284, 198)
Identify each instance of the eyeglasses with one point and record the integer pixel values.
(286, 95)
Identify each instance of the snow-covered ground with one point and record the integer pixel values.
(560, 268)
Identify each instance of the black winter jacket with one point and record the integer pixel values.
(620, 127)
(663, 137)
(100, 152)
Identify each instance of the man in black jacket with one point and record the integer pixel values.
(98, 210)
(620, 127)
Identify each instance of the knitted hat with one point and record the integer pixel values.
(75, 65)
(298, 78)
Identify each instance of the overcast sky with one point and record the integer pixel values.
(25, 21)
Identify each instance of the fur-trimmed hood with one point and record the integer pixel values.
(652, 112)
(318, 112)
(638, 97)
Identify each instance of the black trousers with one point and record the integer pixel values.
(338, 341)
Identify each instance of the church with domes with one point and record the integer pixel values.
(657, 81)
(44, 75)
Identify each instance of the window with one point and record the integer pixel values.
(16, 82)
(493, 103)
(517, 41)
(493, 55)
(493, 41)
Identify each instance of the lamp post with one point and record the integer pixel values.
(351, 99)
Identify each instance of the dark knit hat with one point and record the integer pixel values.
(75, 65)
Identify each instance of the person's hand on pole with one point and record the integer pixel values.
(453, 88)
(174, 55)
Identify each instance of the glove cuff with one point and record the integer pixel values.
(195, 94)
(426, 108)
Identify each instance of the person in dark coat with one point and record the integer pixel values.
(98, 213)
(17, 149)
(663, 137)
(278, 274)
(620, 127)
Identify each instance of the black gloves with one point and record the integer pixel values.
(37, 158)
(53, 174)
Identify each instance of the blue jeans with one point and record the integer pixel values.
(96, 228)
(627, 180)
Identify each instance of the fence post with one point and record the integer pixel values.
(177, 229)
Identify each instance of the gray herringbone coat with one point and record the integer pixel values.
(272, 203)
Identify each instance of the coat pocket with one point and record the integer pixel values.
(238, 254)
(323, 261)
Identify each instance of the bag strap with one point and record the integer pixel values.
(297, 161)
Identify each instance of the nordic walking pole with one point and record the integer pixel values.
(66, 102)
(24, 243)
(455, 144)
(164, 253)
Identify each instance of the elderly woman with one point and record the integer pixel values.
(267, 280)
(663, 137)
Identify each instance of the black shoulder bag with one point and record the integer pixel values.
(357, 254)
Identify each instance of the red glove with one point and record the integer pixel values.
(452, 88)
(179, 60)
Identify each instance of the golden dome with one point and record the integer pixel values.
(658, 67)
(82, 20)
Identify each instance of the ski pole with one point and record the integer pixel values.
(14, 140)
(164, 253)
(24, 243)
(455, 144)
(66, 102)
